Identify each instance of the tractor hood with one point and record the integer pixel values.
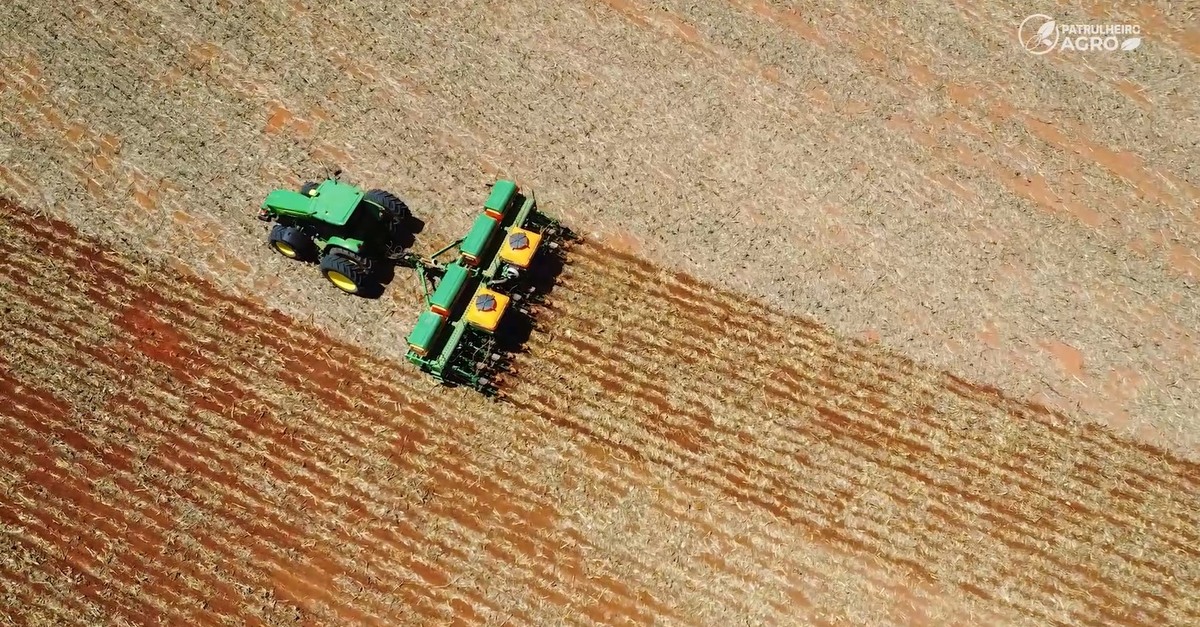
(289, 203)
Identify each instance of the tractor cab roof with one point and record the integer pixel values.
(332, 202)
(335, 202)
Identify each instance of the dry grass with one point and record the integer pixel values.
(176, 453)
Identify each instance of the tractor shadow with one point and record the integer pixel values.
(403, 238)
(409, 228)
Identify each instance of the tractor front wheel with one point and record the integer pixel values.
(345, 273)
(290, 242)
(308, 188)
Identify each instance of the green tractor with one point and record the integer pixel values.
(346, 230)
(503, 266)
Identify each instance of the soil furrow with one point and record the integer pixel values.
(251, 526)
(782, 499)
(903, 373)
(283, 478)
(832, 354)
(1031, 461)
(186, 437)
(54, 523)
(1143, 563)
(34, 599)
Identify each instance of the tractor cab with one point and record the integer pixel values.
(331, 203)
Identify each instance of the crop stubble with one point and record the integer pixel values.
(499, 497)
(866, 161)
(199, 457)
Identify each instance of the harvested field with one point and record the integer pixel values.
(737, 407)
(901, 171)
(177, 454)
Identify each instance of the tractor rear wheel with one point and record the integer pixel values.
(392, 206)
(346, 273)
(290, 242)
(308, 188)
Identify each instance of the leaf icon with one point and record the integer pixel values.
(1131, 44)
(1044, 32)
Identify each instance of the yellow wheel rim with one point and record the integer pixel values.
(342, 281)
(285, 249)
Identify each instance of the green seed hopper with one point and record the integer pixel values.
(459, 336)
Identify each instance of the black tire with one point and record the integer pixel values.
(346, 273)
(308, 188)
(291, 242)
(392, 206)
